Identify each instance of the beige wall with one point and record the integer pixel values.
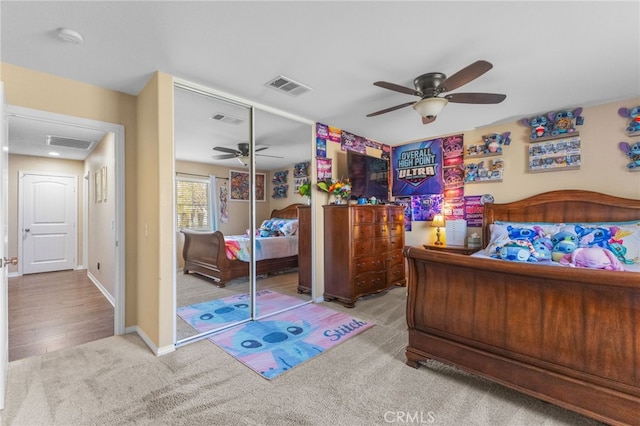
(102, 215)
(603, 167)
(23, 163)
(36, 90)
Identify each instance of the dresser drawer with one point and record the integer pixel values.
(364, 247)
(368, 264)
(395, 274)
(363, 215)
(382, 215)
(369, 283)
(381, 231)
(396, 216)
(381, 245)
(396, 228)
(394, 258)
(396, 242)
(361, 232)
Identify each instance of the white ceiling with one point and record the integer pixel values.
(545, 55)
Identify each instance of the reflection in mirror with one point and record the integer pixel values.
(211, 136)
(283, 155)
(213, 188)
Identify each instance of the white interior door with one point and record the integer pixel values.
(4, 226)
(49, 210)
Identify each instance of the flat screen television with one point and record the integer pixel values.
(369, 176)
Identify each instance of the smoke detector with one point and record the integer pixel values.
(69, 35)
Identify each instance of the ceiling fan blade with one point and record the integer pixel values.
(476, 98)
(390, 109)
(396, 88)
(227, 150)
(224, 156)
(265, 155)
(464, 76)
(261, 149)
(427, 120)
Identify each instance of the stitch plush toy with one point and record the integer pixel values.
(563, 243)
(471, 171)
(493, 142)
(594, 258)
(634, 114)
(633, 152)
(563, 121)
(540, 126)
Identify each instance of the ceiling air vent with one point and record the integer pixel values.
(226, 118)
(288, 86)
(69, 142)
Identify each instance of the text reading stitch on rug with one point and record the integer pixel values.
(343, 330)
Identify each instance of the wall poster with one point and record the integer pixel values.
(241, 186)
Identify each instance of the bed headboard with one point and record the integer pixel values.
(289, 212)
(570, 205)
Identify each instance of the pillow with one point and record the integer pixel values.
(622, 238)
(502, 233)
(278, 227)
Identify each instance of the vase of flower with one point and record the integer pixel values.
(338, 188)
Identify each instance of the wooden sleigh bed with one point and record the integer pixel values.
(205, 254)
(569, 336)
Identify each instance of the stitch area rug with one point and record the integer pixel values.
(280, 342)
(217, 313)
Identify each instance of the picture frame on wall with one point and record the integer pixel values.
(240, 183)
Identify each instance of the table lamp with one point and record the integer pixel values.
(438, 221)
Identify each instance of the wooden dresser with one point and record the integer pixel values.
(362, 250)
(304, 249)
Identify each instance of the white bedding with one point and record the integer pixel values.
(238, 247)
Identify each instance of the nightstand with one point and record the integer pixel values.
(453, 249)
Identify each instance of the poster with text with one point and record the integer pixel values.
(417, 168)
(408, 216)
(425, 207)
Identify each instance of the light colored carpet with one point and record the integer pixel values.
(364, 381)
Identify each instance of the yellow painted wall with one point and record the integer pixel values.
(32, 89)
(603, 167)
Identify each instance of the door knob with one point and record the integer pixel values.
(9, 261)
(27, 229)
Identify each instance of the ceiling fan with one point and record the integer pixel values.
(242, 153)
(429, 86)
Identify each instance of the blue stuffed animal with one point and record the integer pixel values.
(540, 126)
(563, 243)
(563, 121)
(493, 142)
(634, 115)
(633, 152)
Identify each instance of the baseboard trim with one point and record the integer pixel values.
(14, 274)
(103, 290)
(152, 346)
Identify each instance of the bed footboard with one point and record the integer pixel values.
(567, 336)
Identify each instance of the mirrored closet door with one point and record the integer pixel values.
(228, 177)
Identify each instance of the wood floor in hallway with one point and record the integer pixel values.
(55, 310)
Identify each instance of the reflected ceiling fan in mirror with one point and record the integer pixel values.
(242, 153)
(429, 86)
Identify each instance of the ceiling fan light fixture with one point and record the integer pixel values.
(430, 107)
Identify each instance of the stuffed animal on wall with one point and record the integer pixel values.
(594, 258)
(563, 121)
(540, 126)
(471, 171)
(634, 114)
(633, 152)
(493, 142)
